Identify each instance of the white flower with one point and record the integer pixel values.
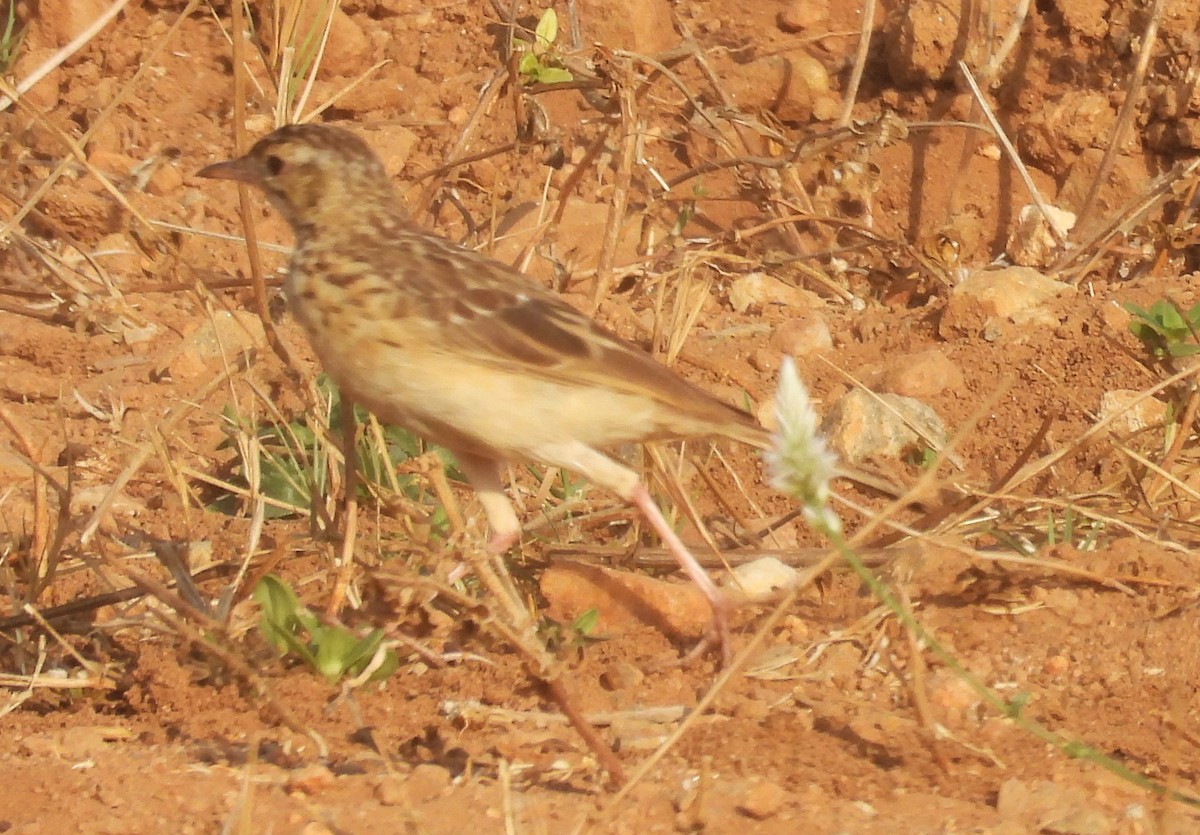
(800, 463)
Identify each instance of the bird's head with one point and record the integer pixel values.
(308, 172)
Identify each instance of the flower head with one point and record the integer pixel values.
(800, 463)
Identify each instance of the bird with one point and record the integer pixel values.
(466, 351)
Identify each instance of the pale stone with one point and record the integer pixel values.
(763, 801)
(1032, 244)
(217, 340)
(761, 580)
(757, 290)
(804, 335)
(1003, 302)
(1128, 413)
(863, 426)
(923, 374)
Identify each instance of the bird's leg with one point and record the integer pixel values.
(349, 507)
(484, 475)
(625, 482)
(718, 629)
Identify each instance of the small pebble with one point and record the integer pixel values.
(621, 675)
(426, 782)
(763, 801)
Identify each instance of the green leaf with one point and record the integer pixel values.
(391, 663)
(282, 616)
(553, 75)
(1164, 329)
(546, 32)
(586, 622)
(276, 598)
(283, 484)
(334, 649)
(360, 655)
(1183, 349)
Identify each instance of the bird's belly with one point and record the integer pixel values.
(460, 404)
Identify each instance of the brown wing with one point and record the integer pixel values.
(497, 316)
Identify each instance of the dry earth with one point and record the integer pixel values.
(122, 312)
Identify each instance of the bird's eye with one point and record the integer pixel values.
(274, 165)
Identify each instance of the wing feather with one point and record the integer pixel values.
(485, 310)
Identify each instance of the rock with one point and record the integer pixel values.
(826, 108)
(310, 779)
(1045, 806)
(389, 791)
(803, 14)
(1126, 176)
(804, 83)
(46, 94)
(1031, 243)
(802, 336)
(55, 24)
(1086, 18)
(118, 255)
(1053, 137)
(787, 84)
(348, 50)
(165, 179)
(645, 26)
(1128, 417)
(624, 601)
(765, 360)
(630, 734)
(426, 782)
(763, 801)
(621, 675)
(315, 828)
(83, 214)
(757, 290)
(393, 143)
(76, 744)
(209, 346)
(762, 580)
(923, 374)
(989, 303)
(863, 426)
(955, 703)
(85, 500)
(922, 40)
(113, 163)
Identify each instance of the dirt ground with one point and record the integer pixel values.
(1052, 560)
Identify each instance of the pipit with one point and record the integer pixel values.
(464, 350)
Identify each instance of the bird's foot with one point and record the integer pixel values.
(499, 544)
(716, 638)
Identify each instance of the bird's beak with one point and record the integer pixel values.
(242, 169)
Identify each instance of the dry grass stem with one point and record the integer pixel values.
(1128, 111)
(146, 448)
(1060, 236)
(59, 56)
(860, 62)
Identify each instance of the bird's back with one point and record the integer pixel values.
(453, 343)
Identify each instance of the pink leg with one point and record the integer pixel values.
(608, 473)
(484, 475)
(718, 629)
